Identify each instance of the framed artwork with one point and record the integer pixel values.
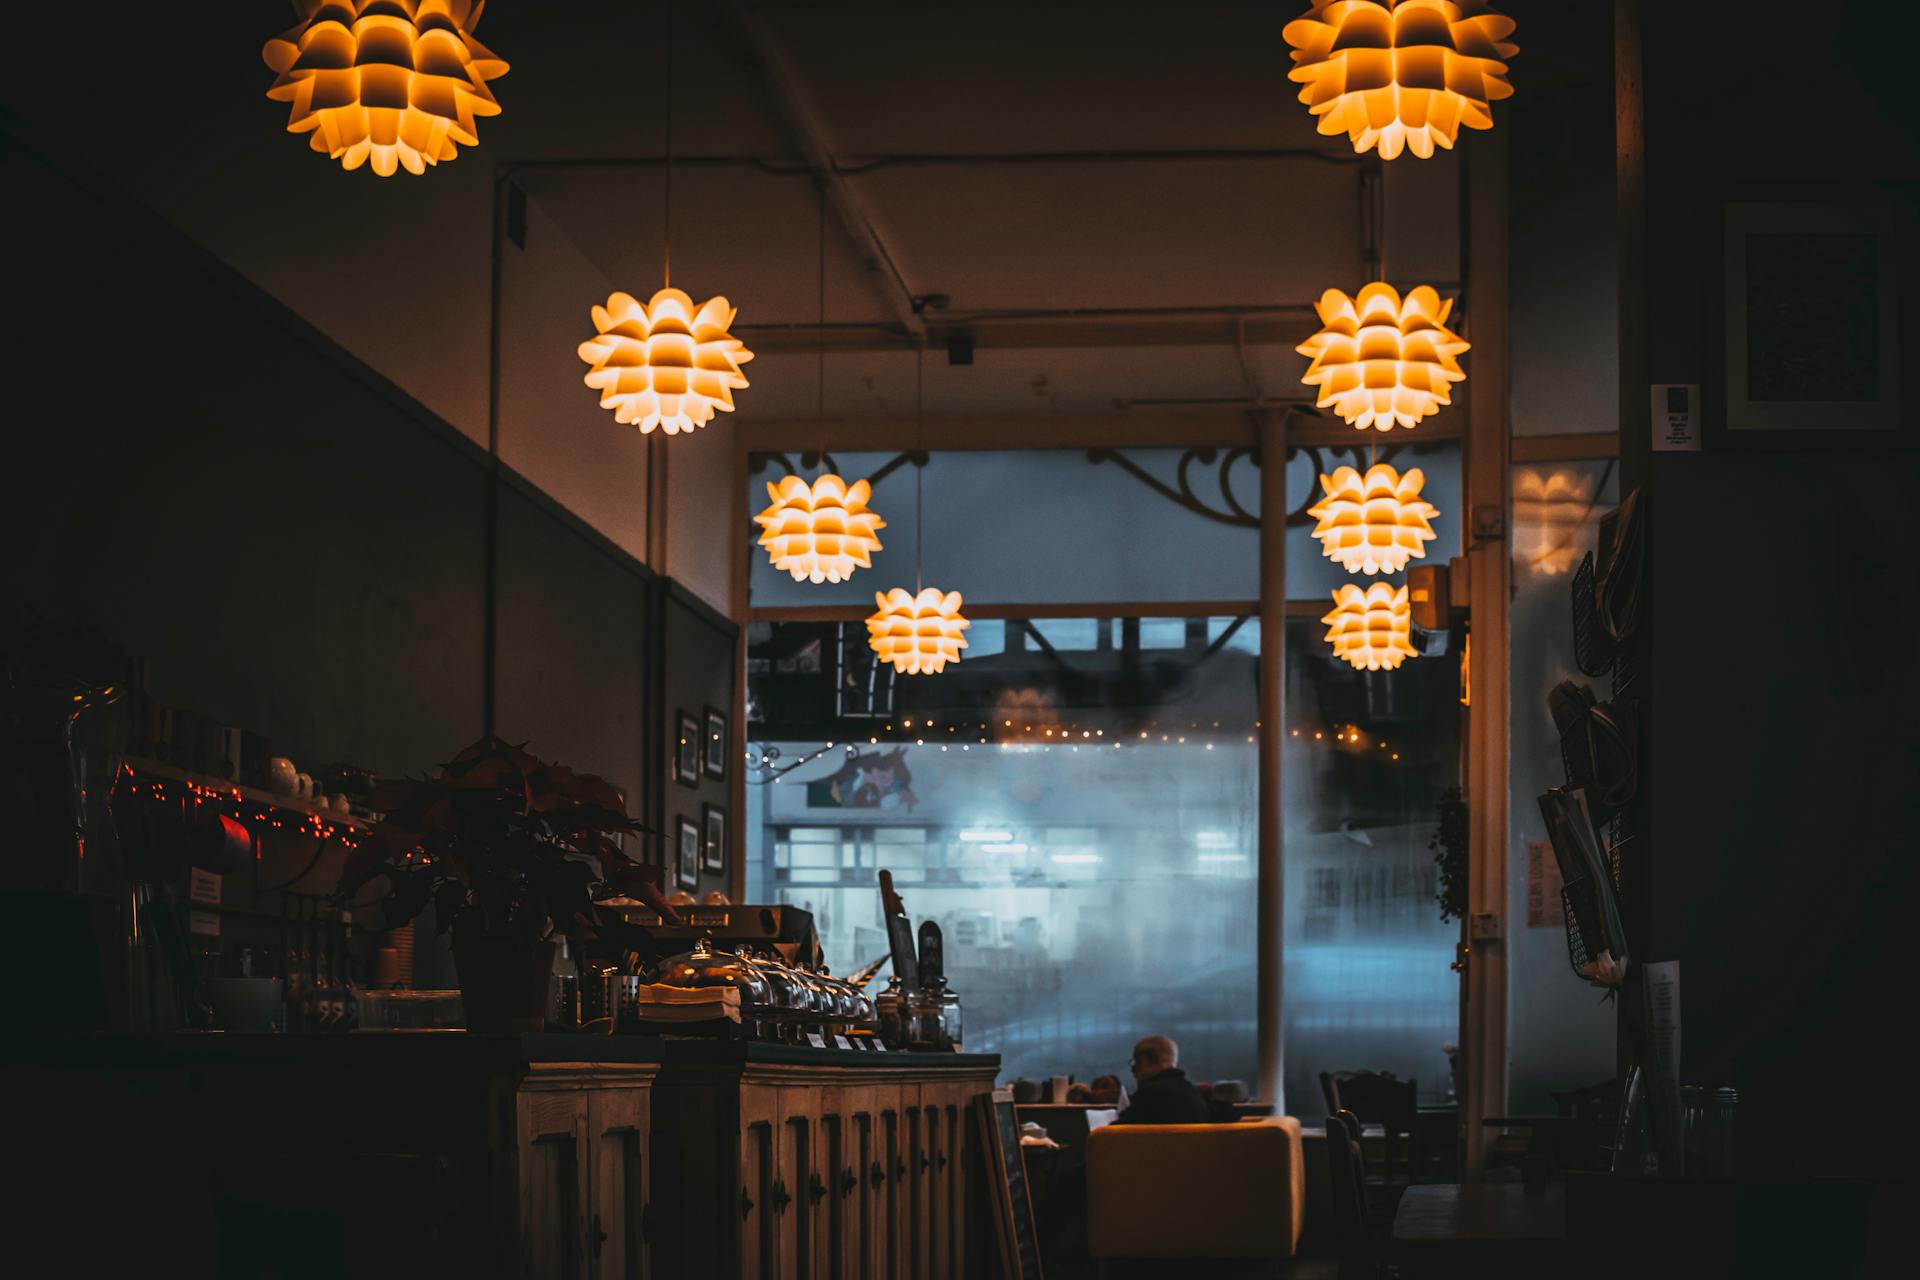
(686, 751)
(1810, 349)
(687, 865)
(713, 844)
(713, 747)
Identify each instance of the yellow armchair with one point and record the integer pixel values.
(1195, 1190)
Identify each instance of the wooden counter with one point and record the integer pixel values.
(411, 1153)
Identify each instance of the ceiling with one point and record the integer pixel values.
(1123, 206)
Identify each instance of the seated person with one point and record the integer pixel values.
(1163, 1094)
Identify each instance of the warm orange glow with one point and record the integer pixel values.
(1376, 523)
(1380, 360)
(663, 364)
(1372, 629)
(1401, 74)
(1549, 511)
(820, 532)
(919, 634)
(394, 82)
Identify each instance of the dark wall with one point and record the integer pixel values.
(699, 674)
(297, 546)
(1782, 820)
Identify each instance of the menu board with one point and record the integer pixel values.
(1019, 1245)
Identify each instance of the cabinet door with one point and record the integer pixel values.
(918, 1161)
(617, 1227)
(550, 1132)
(798, 1188)
(890, 1239)
(863, 1217)
(759, 1246)
(831, 1216)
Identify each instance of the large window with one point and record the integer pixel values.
(1076, 801)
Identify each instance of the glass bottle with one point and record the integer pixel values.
(949, 1013)
(923, 1020)
(889, 1010)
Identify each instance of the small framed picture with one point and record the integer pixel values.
(687, 869)
(713, 748)
(713, 843)
(686, 751)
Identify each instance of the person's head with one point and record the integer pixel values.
(1152, 1056)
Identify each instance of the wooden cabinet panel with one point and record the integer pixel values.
(617, 1124)
(550, 1129)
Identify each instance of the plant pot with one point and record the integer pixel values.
(503, 981)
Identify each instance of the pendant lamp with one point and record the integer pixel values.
(662, 363)
(919, 631)
(918, 634)
(1380, 360)
(1373, 523)
(820, 532)
(394, 83)
(1371, 629)
(1401, 74)
(665, 364)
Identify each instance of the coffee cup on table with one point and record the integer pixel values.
(281, 776)
(303, 786)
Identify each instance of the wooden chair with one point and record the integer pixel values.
(1347, 1176)
(1376, 1097)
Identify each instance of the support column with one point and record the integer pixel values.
(1270, 888)
(1489, 573)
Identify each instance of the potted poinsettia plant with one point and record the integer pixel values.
(507, 848)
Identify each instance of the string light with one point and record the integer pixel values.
(1380, 360)
(1374, 523)
(396, 84)
(1401, 74)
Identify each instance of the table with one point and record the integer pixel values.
(1487, 1227)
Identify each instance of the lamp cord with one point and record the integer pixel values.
(820, 333)
(920, 463)
(666, 218)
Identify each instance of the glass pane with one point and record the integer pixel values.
(1559, 1036)
(1066, 633)
(986, 513)
(1074, 923)
(1165, 633)
(1367, 757)
(1310, 575)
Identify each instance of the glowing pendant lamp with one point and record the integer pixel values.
(820, 532)
(397, 83)
(665, 364)
(1371, 629)
(1380, 360)
(1374, 523)
(662, 364)
(1549, 510)
(1401, 74)
(918, 634)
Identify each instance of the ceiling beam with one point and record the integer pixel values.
(790, 103)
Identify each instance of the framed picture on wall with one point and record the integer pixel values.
(713, 748)
(686, 752)
(1811, 352)
(713, 844)
(687, 865)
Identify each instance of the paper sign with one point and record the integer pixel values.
(1676, 417)
(844, 1043)
(204, 923)
(815, 1039)
(1545, 907)
(203, 886)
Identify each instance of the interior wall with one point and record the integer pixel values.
(1782, 811)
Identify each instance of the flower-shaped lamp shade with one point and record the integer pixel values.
(392, 83)
(1373, 523)
(1401, 74)
(919, 634)
(820, 532)
(1381, 360)
(663, 364)
(1550, 510)
(1371, 628)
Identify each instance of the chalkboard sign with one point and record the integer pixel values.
(1019, 1247)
